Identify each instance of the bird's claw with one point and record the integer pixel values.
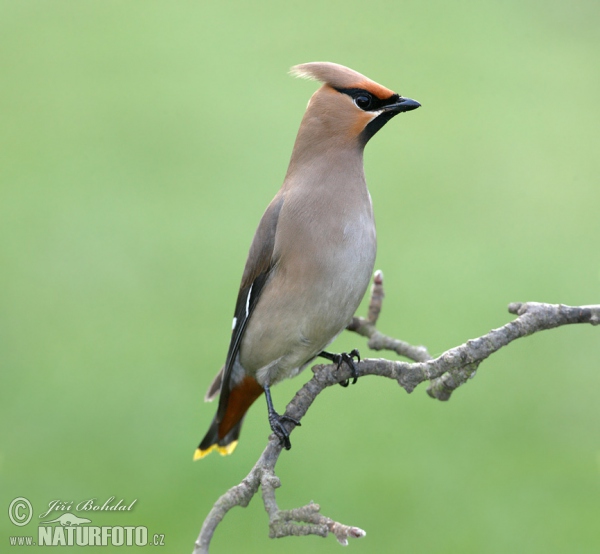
(276, 421)
(348, 359)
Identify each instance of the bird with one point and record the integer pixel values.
(312, 256)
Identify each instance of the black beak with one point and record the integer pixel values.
(398, 104)
(402, 105)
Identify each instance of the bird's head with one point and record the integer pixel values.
(349, 107)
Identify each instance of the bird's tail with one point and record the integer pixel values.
(224, 430)
(211, 440)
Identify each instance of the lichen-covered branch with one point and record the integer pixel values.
(445, 374)
(282, 523)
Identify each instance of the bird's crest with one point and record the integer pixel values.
(339, 77)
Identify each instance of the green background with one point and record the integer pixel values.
(140, 144)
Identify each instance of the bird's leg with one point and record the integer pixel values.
(276, 421)
(346, 357)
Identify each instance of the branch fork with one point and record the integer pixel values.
(445, 374)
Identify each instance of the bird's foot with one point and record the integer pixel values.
(348, 359)
(277, 426)
(277, 421)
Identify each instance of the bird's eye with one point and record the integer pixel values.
(363, 101)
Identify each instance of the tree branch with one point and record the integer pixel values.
(445, 374)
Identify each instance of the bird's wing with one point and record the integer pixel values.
(256, 274)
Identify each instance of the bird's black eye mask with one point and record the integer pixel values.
(367, 101)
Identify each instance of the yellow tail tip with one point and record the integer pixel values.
(199, 454)
(223, 450)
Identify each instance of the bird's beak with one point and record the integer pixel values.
(402, 105)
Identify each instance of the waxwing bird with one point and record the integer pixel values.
(313, 253)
